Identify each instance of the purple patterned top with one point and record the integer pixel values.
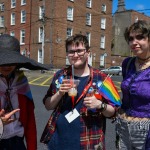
(136, 90)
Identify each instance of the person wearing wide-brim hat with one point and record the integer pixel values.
(15, 94)
(10, 54)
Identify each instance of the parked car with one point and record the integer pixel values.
(113, 70)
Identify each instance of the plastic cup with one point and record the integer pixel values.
(73, 90)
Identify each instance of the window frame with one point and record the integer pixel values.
(2, 21)
(103, 23)
(23, 16)
(103, 8)
(88, 35)
(102, 42)
(13, 3)
(23, 52)
(88, 19)
(89, 3)
(40, 55)
(70, 13)
(22, 37)
(13, 19)
(136, 19)
(40, 34)
(71, 32)
(12, 33)
(2, 7)
(23, 3)
(41, 11)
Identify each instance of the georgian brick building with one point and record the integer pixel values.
(42, 27)
(15, 19)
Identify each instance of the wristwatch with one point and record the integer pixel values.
(1, 128)
(103, 106)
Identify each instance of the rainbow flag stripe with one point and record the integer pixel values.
(109, 92)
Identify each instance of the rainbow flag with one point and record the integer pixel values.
(108, 90)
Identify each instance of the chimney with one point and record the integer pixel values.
(121, 6)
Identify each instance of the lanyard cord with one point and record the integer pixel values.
(89, 81)
(8, 105)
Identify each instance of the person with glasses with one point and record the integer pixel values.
(77, 122)
(133, 124)
(17, 123)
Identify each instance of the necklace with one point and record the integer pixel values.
(143, 63)
(140, 59)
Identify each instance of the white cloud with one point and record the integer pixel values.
(140, 7)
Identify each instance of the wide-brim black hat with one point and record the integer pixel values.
(10, 54)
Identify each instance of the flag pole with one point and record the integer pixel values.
(108, 76)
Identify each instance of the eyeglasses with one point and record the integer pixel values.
(137, 37)
(80, 52)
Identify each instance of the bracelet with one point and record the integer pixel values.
(103, 107)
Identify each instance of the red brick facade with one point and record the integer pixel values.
(55, 27)
(18, 26)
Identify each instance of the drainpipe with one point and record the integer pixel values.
(51, 32)
(30, 29)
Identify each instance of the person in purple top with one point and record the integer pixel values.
(134, 116)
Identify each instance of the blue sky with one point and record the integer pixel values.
(142, 6)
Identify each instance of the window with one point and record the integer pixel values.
(89, 3)
(41, 12)
(13, 19)
(1, 21)
(136, 19)
(102, 60)
(2, 7)
(23, 2)
(22, 37)
(40, 34)
(67, 61)
(69, 32)
(88, 35)
(23, 52)
(88, 19)
(103, 23)
(70, 13)
(102, 42)
(23, 16)
(103, 8)
(13, 3)
(12, 33)
(40, 56)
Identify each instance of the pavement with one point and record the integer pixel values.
(44, 78)
(39, 72)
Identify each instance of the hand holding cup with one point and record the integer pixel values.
(70, 86)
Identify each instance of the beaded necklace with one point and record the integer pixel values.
(143, 62)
